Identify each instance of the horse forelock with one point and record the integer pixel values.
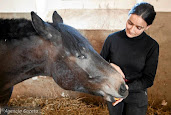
(15, 29)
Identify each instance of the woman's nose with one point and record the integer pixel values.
(132, 29)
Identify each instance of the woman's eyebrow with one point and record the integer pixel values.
(130, 21)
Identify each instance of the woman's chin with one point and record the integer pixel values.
(129, 35)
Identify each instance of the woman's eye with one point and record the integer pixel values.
(139, 28)
(130, 23)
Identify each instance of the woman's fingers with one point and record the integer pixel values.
(127, 87)
(116, 102)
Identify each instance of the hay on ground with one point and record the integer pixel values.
(68, 106)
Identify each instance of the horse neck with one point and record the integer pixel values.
(21, 63)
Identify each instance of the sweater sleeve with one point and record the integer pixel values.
(106, 49)
(148, 73)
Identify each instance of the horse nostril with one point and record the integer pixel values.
(123, 89)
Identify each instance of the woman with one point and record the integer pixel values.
(136, 54)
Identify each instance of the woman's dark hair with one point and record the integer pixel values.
(145, 10)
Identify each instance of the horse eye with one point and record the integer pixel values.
(82, 57)
(83, 48)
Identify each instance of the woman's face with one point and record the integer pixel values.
(135, 25)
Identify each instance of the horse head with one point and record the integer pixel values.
(74, 64)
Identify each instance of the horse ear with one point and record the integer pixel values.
(43, 28)
(38, 23)
(56, 18)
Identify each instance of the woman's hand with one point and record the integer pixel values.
(117, 101)
(118, 69)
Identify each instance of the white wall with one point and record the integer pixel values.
(42, 5)
(7, 6)
(160, 5)
(24, 6)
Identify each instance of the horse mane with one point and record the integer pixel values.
(72, 39)
(11, 29)
(15, 29)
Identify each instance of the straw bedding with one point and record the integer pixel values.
(78, 106)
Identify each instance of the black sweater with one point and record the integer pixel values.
(137, 57)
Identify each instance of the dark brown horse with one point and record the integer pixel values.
(32, 48)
